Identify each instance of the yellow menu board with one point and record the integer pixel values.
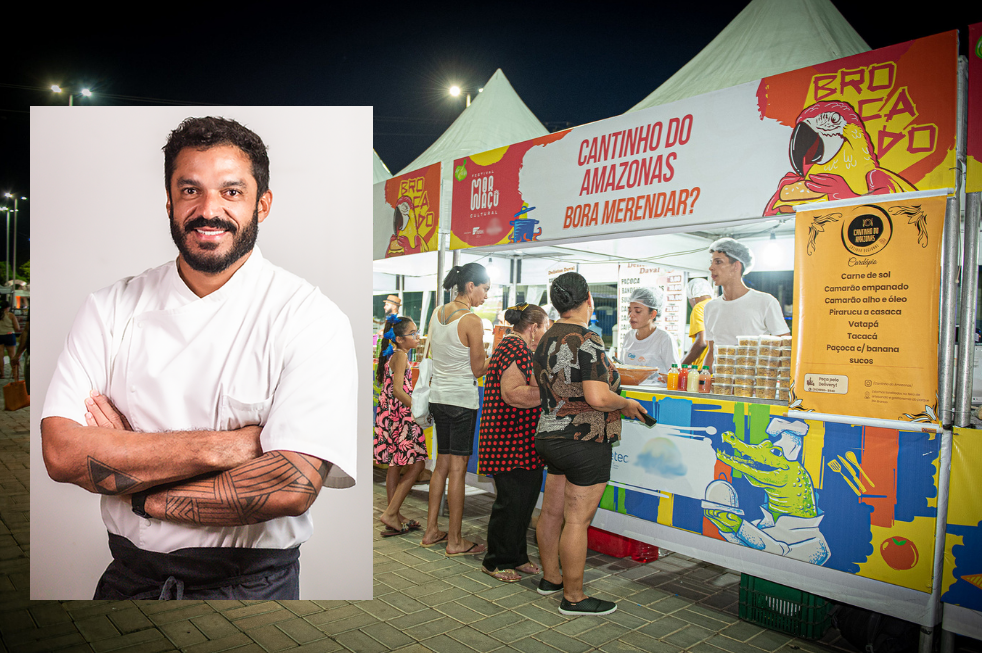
(867, 278)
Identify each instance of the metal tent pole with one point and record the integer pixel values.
(966, 318)
(945, 360)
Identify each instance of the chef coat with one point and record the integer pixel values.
(266, 348)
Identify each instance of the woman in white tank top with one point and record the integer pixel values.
(457, 346)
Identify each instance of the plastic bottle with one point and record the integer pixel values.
(705, 380)
(683, 377)
(673, 377)
(692, 382)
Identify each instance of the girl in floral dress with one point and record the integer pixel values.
(398, 440)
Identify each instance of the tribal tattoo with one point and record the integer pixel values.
(108, 480)
(273, 485)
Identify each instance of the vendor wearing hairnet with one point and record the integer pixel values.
(699, 291)
(740, 311)
(645, 344)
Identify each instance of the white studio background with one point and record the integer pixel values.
(98, 215)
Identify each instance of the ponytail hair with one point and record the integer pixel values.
(523, 316)
(461, 275)
(395, 326)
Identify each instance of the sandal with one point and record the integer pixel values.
(413, 525)
(504, 575)
(441, 540)
(475, 549)
(529, 568)
(392, 532)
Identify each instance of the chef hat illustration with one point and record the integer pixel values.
(787, 436)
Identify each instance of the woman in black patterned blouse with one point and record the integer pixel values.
(506, 445)
(581, 417)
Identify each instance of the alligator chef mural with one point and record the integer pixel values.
(848, 498)
(790, 521)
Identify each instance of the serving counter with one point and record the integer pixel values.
(842, 510)
(845, 511)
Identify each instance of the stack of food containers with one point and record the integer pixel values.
(758, 366)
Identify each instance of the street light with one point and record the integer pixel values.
(87, 92)
(6, 273)
(456, 91)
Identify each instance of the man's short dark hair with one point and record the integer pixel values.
(205, 133)
(730, 260)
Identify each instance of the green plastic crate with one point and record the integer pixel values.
(783, 608)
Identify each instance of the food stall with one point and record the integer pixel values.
(841, 488)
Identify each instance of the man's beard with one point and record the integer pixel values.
(242, 242)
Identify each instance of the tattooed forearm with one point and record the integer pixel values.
(107, 480)
(276, 484)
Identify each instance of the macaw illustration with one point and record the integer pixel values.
(790, 522)
(833, 158)
(405, 224)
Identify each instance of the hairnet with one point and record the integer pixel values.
(698, 287)
(735, 250)
(650, 297)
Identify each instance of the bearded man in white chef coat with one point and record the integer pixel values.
(194, 397)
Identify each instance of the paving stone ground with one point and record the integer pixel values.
(423, 601)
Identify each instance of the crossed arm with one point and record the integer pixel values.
(219, 478)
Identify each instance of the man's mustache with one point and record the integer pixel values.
(202, 222)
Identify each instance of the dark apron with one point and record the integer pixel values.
(199, 573)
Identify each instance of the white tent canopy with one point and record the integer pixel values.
(379, 170)
(767, 38)
(496, 117)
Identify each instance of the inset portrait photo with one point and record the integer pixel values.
(201, 422)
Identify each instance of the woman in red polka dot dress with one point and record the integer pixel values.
(506, 445)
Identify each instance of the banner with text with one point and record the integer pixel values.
(874, 123)
(406, 213)
(865, 326)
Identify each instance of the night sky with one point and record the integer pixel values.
(569, 65)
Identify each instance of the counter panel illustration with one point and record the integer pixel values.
(962, 580)
(855, 499)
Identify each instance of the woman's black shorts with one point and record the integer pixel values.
(582, 463)
(454, 429)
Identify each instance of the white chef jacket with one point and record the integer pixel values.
(266, 348)
(754, 314)
(657, 350)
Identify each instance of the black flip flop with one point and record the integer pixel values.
(392, 532)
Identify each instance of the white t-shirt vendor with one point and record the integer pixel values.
(645, 344)
(209, 399)
(740, 311)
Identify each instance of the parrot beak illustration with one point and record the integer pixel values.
(806, 148)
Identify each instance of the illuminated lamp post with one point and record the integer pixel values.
(71, 96)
